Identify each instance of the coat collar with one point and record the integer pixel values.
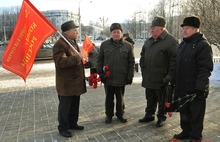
(72, 42)
(161, 36)
(117, 44)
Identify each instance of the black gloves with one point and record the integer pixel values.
(103, 78)
(167, 79)
(201, 94)
(87, 65)
(129, 81)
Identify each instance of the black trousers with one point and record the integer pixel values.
(110, 91)
(68, 111)
(192, 117)
(154, 97)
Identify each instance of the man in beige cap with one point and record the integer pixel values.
(157, 62)
(70, 79)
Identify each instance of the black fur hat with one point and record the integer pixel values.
(193, 21)
(68, 25)
(115, 26)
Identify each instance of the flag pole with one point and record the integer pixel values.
(68, 42)
(84, 60)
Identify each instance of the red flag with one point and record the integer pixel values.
(86, 47)
(30, 31)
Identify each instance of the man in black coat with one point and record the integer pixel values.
(194, 67)
(157, 62)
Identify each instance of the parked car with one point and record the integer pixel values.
(45, 52)
(99, 38)
(2, 49)
(3, 45)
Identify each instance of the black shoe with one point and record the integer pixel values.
(108, 119)
(181, 136)
(146, 119)
(122, 119)
(66, 133)
(77, 127)
(160, 123)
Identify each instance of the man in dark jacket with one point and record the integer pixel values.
(127, 37)
(194, 67)
(70, 79)
(115, 66)
(157, 62)
(93, 59)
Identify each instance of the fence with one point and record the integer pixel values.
(216, 59)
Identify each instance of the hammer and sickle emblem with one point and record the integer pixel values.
(26, 13)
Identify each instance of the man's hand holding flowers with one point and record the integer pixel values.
(106, 73)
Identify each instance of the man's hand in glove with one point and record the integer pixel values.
(167, 79)
(87, 65)
(103, 78)
(201, 94)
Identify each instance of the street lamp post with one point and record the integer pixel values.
(80, 29)
(103, 20)
(80, 35)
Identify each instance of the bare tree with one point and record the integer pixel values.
(209, 11)
(8, 18)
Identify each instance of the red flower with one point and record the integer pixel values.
(98, 79)
(95, 86)
(95, 75)
(107, 73)
(106, 68)
(167, 105)
(93, 80)
(169, 114)
(175, 140)
(90, 77)
(90, 83)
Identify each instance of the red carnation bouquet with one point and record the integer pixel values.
(93, 80)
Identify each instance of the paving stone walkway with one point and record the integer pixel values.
(28, 113)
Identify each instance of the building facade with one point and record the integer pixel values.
(57, 17)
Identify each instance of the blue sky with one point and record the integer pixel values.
(91, 10)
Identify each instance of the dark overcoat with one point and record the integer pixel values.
(158, 59)
(70, 76)
(194, 66)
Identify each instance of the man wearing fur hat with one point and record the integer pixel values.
(70, 78)
(157, 62)
(115, 66)
(194, 67)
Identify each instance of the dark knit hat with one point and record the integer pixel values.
(115, 26)
(193, 21)
(158, 21)
(68, 25)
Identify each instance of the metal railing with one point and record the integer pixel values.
(216, 59)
